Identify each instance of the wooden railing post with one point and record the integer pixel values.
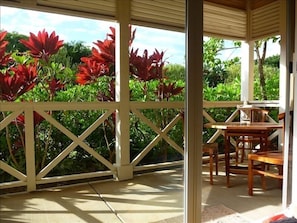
(123, 164)
(30, 148)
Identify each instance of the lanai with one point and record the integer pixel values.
(237, 20)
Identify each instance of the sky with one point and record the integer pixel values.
(88, 31)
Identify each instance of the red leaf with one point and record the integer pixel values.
(90, 71)
(42, 45)
(4, 58)
(17, 81)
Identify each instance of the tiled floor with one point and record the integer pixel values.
(147, 198)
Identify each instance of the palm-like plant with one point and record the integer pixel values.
(18, 78)
(143, 68)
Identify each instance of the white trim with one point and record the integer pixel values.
(294, 154)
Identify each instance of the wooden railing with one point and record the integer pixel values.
(30, 178)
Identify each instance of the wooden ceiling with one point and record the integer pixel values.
(242, 4)
(230, 19)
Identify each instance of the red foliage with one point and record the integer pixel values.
(146, 68)
(165, 91)
(106, 52)
(4, 58)
(17, 81)
(55, 85)
(43, 46)
(102, 60)
(90, 71)
(143, 68)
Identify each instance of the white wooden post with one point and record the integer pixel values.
(193, 114)
(284, 98)
(283, 59)
(30, 148)
(124, 168)
(247, 71)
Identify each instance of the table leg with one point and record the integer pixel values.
(216, 156)
(227, 157)
(264, 166)
(250, 177)
(210, 153)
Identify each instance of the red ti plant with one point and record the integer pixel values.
(144, 68)
(90, 71)
(42, 47)
(167, 90)
(4, 57)
(17, 79)
(102, 64)
(147, 68)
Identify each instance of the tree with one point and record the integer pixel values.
(14, 42)
(214, 69)
(260, 59)
(176, 72)
(77, 50)
(261, 56)
(272, 61)
(70, 56)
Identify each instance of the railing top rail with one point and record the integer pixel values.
(206, 103)
(157, 104)
(55, 106)
(228, 104)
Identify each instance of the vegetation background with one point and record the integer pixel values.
(221, 83)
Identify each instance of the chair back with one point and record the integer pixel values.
(259, 115)
(282, 117)
(253, 114)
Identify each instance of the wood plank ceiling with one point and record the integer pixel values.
(230, 19)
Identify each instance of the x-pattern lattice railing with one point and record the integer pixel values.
(13, 110)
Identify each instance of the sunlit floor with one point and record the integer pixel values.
(154, 197)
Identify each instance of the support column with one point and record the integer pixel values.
(247, 71)
(193, 114)
(124, 168)
(294, 154)
(284, 77)
(284, 97)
